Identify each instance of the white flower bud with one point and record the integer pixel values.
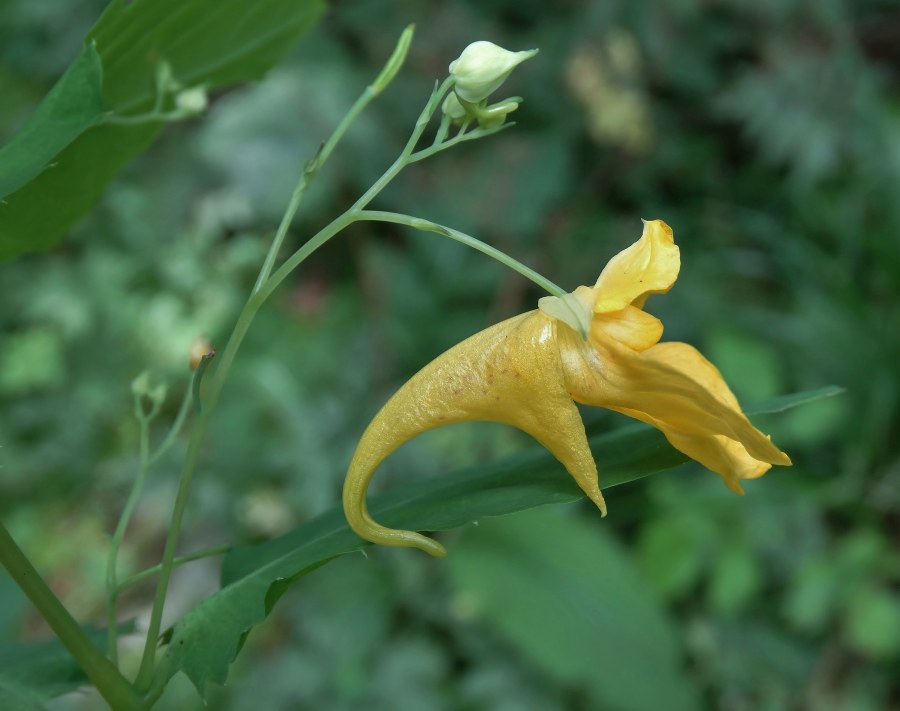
(482, 68)
(453, 108)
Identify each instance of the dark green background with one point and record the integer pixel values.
(766, 133)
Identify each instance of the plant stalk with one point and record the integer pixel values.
(113, 687)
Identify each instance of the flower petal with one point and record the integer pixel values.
(632, 327)
(509, 373)
(674, 388)
(649, 266)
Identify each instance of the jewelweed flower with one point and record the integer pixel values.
(530, 370)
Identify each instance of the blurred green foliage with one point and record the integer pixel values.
(766, 133)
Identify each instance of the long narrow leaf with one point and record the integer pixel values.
(204, 643)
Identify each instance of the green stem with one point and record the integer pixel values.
(261, 291)
(177, 425)
(457, 139)
(149, 657)
(428, 226)
(265, 284)
(177, 563)
(309, 173)
(145, 460)
(352, 214)
(112, 584)
(113, 687)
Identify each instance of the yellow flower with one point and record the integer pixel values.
(530, 370)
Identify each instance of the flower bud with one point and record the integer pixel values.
(200, 349)
(482, 68)
(191, 101)
(455, 110)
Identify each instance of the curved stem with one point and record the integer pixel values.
(428, 226)
(112, 686)
(177, 425)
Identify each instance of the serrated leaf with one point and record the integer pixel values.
(209, 42)
(204, 643)
(73, 105)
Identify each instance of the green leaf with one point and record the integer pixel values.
(672, 551)
(568, 599)
(73, 105)
(787, 402)
(204, 643)
(32, 674)
(208, 42)
(872, 621)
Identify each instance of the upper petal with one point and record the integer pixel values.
(649, 266)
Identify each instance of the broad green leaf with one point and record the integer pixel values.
(73, 105)
(208, 42)
(204, 643)
(32, 674)
(564, 595)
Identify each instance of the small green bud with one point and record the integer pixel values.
(495, 115)
(140, 386)
(143, 391)
(191, 101)
(482, 68)
(157, 396)
(453, 108)
(395, 62)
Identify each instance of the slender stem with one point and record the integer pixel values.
(177, 425)
(309, 173)
(352, 215)
(149, 657)
(112, 584)
(298, 257)
(265, 284)
(261, 291)
(145, 460)
(457, 139)
(428, 226)
(177, 563)
(137, 119)
(441, 134)
(112, 686)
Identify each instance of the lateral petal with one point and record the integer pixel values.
(674, 388)
(631, 326)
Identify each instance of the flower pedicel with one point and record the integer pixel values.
(530, 370)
